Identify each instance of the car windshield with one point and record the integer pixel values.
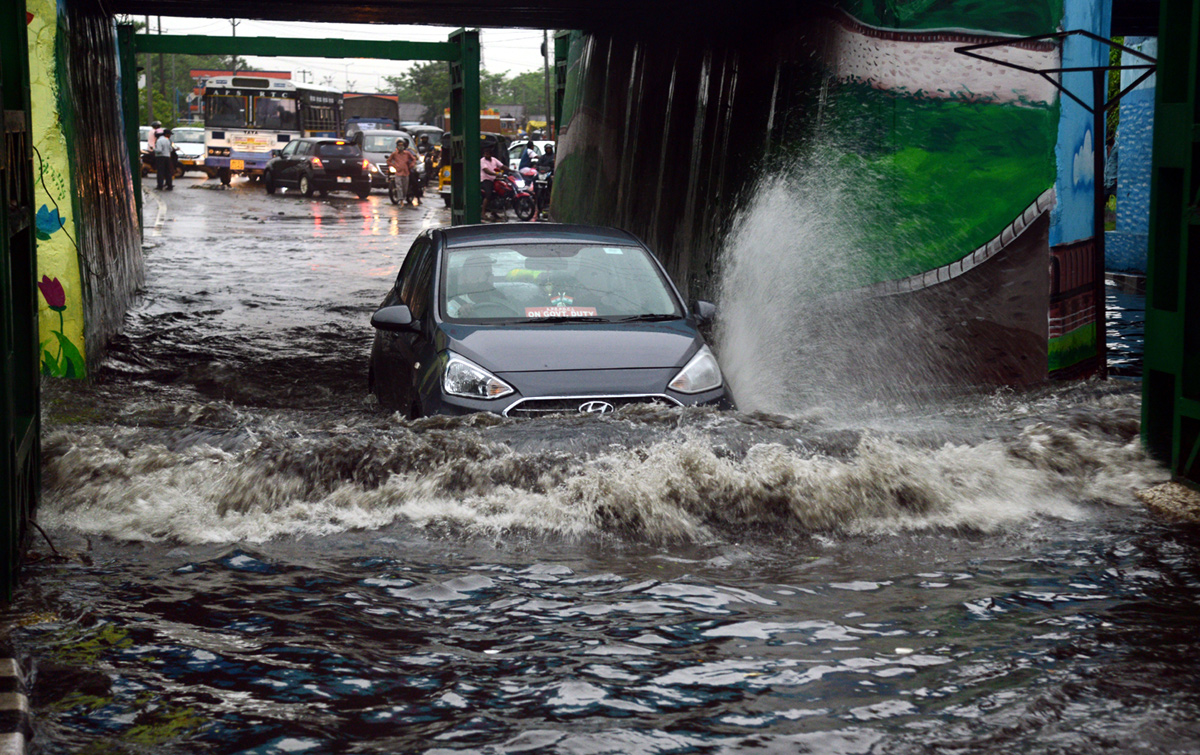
(380, 142)
(189, 137)
(337, 149)
(554, 281)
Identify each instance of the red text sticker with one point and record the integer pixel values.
(560, 311)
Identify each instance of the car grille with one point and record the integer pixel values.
(540, 407)
(383, 168)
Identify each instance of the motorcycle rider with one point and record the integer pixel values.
(402, 160)
(489, 168)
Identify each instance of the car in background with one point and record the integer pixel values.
(323, 164)
(538, 319)
(190, 150)
(518, 148)
(377, 145)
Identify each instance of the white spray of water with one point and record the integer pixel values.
(678, 488)
(798, 329)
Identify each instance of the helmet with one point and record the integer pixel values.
(155, 124)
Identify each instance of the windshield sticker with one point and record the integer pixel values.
(612, 250)
(560, 311)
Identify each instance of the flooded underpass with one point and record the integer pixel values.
(251, 556)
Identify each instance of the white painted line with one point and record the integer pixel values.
(12, 744)
(162, 214)
(14, 701)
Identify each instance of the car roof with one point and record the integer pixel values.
(534, 233)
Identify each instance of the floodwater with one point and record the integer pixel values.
(251, 557)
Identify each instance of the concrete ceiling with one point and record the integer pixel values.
(651, 17)
(532, 14)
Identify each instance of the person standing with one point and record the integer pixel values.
(163, 149)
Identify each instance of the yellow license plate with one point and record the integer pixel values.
(237, 164)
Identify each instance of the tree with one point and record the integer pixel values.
(426, 83)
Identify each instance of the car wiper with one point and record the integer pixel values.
(569, 318)
(648, 318)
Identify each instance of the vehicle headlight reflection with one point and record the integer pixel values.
(469, 380)
(701, 373)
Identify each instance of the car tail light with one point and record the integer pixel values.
(366, 164)
(316, 163)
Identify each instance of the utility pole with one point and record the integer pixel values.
(162, 70)
(149, 83)
(546, 70)
(233, 64)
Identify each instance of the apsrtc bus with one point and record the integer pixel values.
(246, 117)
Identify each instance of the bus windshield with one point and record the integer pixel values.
(225, 110)
(275, 113)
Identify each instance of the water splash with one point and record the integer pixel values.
(799, 328)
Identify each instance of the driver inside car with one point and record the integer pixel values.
(475, 294)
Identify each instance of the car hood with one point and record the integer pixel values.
(191, 150)
(575, 346)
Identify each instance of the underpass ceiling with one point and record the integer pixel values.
(533, 14)
(637, 17)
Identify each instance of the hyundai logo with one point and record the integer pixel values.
(596, 407)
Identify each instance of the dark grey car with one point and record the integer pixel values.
(537, 319)
(318, 164)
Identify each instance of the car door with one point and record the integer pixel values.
(400, 352)
(292, 161)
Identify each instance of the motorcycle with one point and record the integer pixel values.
(508, 191)
(415, 188)
(543, 182)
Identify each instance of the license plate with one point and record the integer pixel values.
(237, 164)
(343, 179)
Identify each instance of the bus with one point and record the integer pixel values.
(246, 117)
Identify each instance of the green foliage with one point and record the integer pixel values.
(426, 83)
(1113, 117)
(429, 84)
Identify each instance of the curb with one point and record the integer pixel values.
(15, 725)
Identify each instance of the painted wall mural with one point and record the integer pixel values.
(61, 307)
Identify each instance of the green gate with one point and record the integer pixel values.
(20, 419)
(1171, 382)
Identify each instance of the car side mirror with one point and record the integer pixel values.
(705, 311)
(393, 318)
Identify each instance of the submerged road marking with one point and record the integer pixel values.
(162, 214)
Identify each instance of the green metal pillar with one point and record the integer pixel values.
(562, 49)
(20, 414)
(464, 129)
(1171, 381)
(129, 100)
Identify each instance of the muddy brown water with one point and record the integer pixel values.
(257, 559)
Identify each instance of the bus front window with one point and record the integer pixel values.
(275, 113)
(225, 111)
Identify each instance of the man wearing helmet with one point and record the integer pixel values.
(402, 160)
(155, 130)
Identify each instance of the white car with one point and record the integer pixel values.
(518, 147)
(189, 144)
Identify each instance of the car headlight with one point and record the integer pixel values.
(373, 167)
(701, 373)
(463, 378)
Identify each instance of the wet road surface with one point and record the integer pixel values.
(257, 559)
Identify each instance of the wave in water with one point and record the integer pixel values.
(696, 477)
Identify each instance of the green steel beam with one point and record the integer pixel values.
(193, 44)
(20, 397)
(464, 129)
(562, 50)
(1171, 377)
(127, 57)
